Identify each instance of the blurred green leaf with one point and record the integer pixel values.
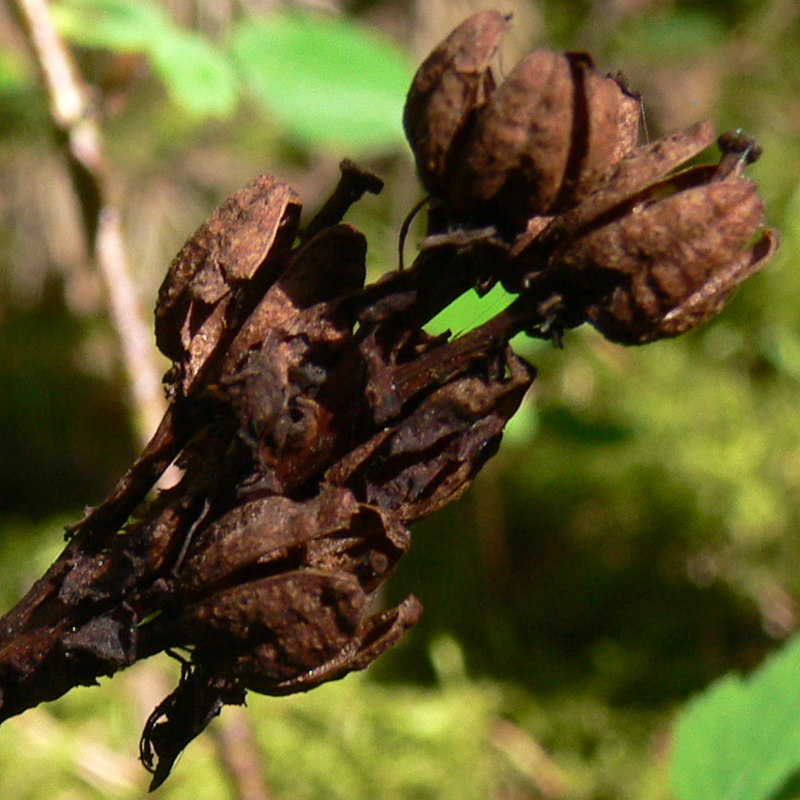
(330, 83)
(684, 35)
(741, 739)
(14, 74)
(125, 26)
(197, 76)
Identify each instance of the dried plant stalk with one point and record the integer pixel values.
(314, 417)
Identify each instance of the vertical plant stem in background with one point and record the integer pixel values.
(79, 135)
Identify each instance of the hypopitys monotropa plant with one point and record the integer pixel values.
(315, 419)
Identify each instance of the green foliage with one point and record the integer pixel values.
(671, 35)
(330, 83)
(125, 26)
(741, 739)
(352, 739)
(334, 85)
(197, 76)
(425, 743)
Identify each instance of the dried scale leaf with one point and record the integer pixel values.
(430, 457)
(611, 131)
(596, 228)
(453, 81)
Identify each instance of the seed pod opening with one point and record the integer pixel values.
(245, 242)
(551, 133)
(451, 83)
(673, 263)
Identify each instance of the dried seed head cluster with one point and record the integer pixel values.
(315, 419)
(598, 228)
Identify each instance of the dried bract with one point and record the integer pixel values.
(277, 591)
(644, 260)
(220, 272)
(676, 261)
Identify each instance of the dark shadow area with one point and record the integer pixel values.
(65, 433)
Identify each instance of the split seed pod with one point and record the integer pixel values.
(551, 133)
(221, 272)
(278, 591)
(453, 81)
(672, 260)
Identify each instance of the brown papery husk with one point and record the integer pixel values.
(665, 254)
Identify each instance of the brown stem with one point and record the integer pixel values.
(355, 181)
(239, 753)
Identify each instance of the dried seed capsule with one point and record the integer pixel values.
(291, 632)
(632, 183)
(520, 148)
(670, 263)
(245, 241)
(550, 134)
(609, 132)
(277, 591)
(453, 80)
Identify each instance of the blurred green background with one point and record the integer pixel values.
(635, 538)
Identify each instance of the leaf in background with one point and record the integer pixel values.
(124, 26)
(198, 77)
(15, 74)
(331, 83)
(671, 36)
(741, 739)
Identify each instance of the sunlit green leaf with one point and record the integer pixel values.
(119, 25)
(741, 739)
(14, 75)
(198, 77)
(671, 35)
(331, 83)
